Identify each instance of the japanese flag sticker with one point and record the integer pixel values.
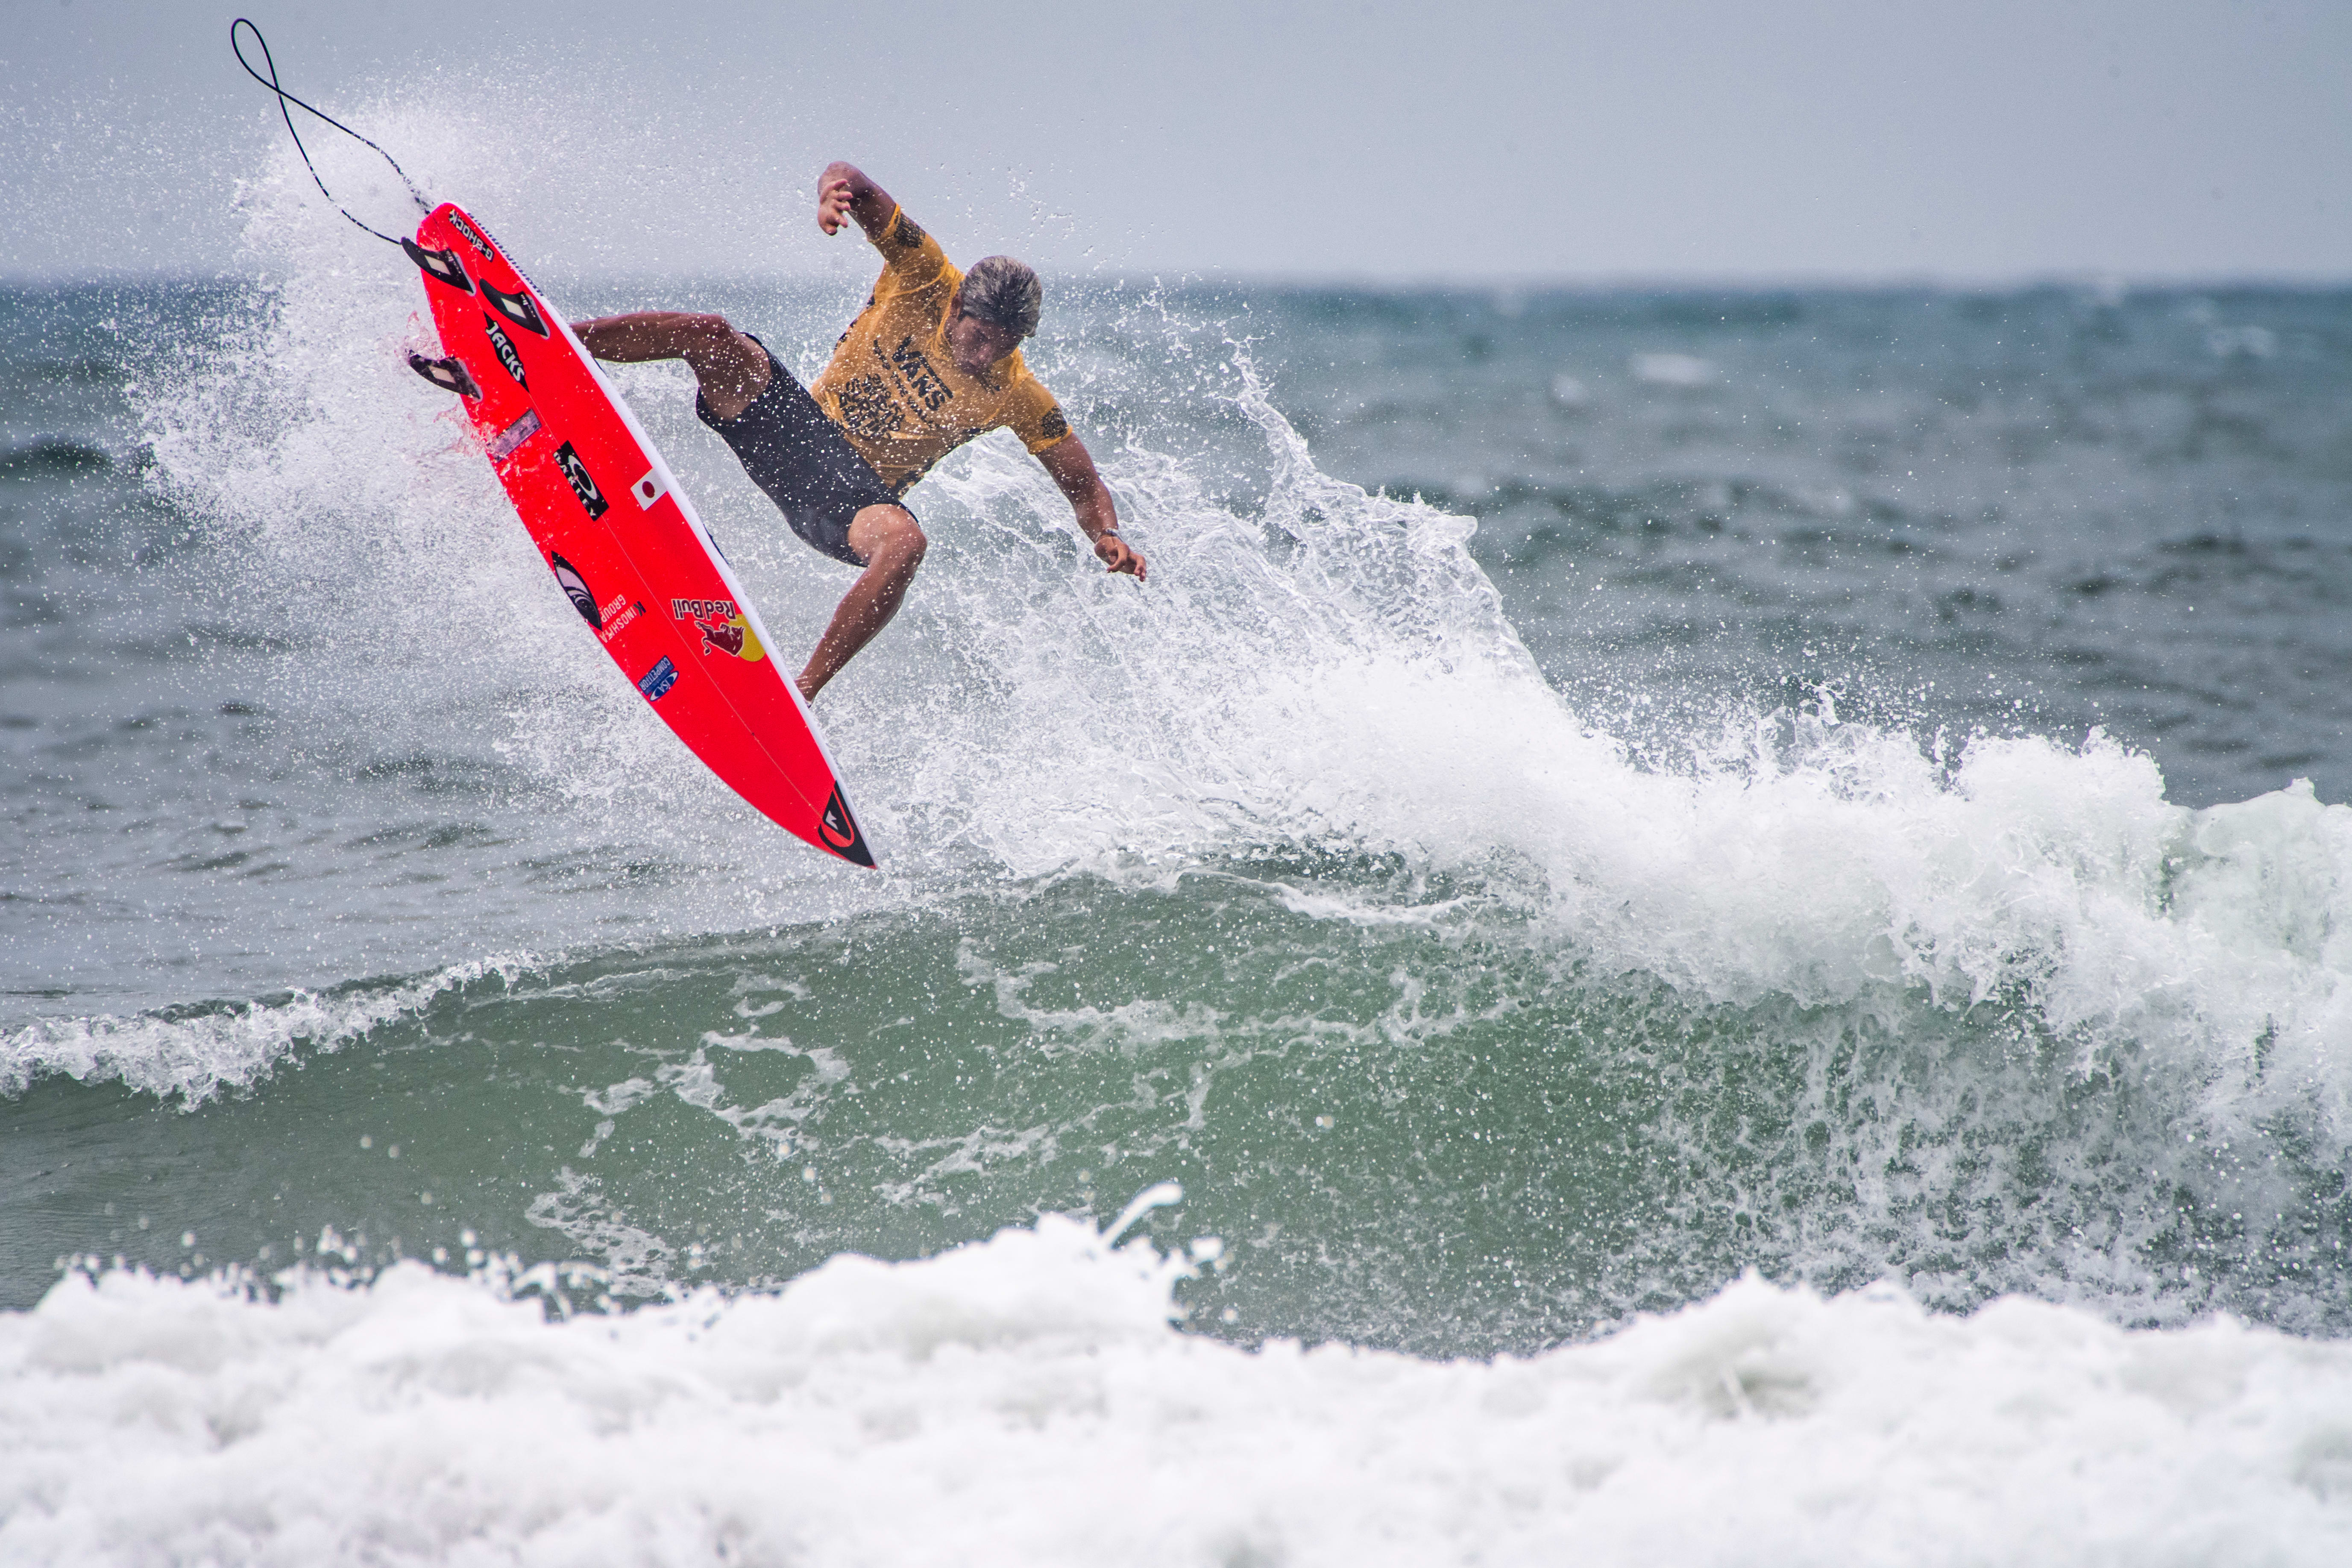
(650, 488)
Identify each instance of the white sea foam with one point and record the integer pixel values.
(1026, 1401)
(200, 1055)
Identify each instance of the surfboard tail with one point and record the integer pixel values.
(837, 831)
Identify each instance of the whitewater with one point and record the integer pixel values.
(1026, 1399)
(1679, 929)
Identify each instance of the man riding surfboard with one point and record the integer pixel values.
(933, 361)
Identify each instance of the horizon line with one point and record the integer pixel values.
(2088, 279)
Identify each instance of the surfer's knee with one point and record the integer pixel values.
(712, 340)
(905, 541)
(730, 367)
(888, 534)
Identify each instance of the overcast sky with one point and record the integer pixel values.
(1737, 139)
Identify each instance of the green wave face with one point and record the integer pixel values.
(1437, 1132)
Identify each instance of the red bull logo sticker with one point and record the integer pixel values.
(724, 628)
(733, 636)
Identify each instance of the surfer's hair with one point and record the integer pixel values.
(1004, 292)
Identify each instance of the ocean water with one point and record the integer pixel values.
(1731, 899)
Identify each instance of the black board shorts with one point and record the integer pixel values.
(802, 459)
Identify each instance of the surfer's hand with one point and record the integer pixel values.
(1113, 552)
(833, 199)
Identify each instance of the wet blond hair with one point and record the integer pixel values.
(1004, 292)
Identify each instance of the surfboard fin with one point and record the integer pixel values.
(441, 264)
(449, 374)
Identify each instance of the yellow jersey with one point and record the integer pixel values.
(894, 388)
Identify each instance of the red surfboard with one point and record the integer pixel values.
(622, 538)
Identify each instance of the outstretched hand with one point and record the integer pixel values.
(833, 196)
(1115, 556)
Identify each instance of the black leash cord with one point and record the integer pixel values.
(285, 98)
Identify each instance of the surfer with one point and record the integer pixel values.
(933, 360)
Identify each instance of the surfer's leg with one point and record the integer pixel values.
(730, 367)
(892, 544)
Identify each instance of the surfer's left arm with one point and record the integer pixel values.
(1072, 467)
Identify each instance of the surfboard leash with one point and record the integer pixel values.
(286, 98)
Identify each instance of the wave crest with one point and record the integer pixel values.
(196, 1053)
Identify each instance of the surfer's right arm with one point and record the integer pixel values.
(843, 191)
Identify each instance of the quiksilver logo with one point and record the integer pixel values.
(582, 485)
(839, 831)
